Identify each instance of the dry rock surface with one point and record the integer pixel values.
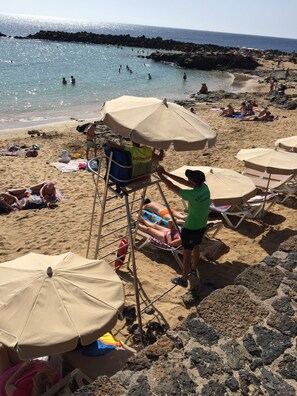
(241, 341)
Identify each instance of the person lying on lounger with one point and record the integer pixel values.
(162, 211)
(168, 235)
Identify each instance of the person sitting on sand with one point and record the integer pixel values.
(24, 377)
(169, 234)
(91, 139)
(228, 112)
(48, 193)
(263, 111)
(250, 107)
(163, 212)
(9, 203)
(243, 109)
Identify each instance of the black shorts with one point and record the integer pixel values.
(191, 238)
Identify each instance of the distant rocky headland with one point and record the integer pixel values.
(183, 54)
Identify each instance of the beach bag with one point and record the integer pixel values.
(121, 168)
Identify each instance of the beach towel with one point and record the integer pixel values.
(153, 218)
(102, 346)
(72, 166)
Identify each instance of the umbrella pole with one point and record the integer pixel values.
(93, 210)
(134, 269)
(265, 197)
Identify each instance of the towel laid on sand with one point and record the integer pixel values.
(72, 166)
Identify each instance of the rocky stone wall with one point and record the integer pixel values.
(241, 341)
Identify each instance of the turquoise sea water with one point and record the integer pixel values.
(31, 71)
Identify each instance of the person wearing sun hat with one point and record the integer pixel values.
(198, 198)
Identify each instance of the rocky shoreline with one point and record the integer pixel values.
(182, 54)
(241, 340)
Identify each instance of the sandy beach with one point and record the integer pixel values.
(66, 228)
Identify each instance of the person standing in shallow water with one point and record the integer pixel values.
(64, 81)
(73, 80)
(185, 76)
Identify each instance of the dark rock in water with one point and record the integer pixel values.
(2, 35)
(207, 61)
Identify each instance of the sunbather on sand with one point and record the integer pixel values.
(25, 191)
(48, 193)
(265, 117)
(162, 211)
(8, 203)
(228, 112)
(168, 235)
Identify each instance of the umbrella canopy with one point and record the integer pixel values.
(269, 160)
(49, 303)
(157, 123)
(226, 186)
(288, 144)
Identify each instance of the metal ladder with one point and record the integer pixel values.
(117, 217)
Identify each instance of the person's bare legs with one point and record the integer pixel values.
(196, 257)
(152, 231)
(187, 257)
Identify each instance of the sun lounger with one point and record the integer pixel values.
(65, 385)
(281, 184)
(252, 209)
(213, 228)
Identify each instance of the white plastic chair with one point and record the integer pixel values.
(252, 209)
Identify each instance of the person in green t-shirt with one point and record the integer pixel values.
(195, 224)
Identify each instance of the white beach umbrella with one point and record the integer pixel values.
(269, 160)
(157, 123)
(50, 303)
(288, 144)
(226, 186)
